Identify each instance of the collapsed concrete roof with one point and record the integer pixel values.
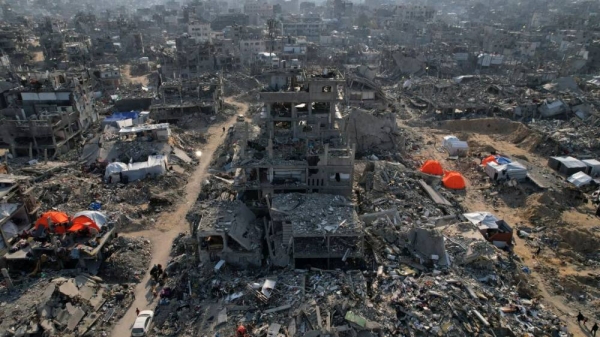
(230, 217)
(312, 214)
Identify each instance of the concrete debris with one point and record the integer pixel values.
(61, 304)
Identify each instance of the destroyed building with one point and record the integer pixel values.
(228, 231)
(308, 229)
(47, 114)
(301, 146)
(179, 98)
(18, 208)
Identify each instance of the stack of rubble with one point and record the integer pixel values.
(77, 306)
(391, 185)
(573, 135)
(126, 259)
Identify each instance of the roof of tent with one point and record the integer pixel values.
(454, 180)
(482, 218)
(432, 167)
(98, 217)
(579, 179)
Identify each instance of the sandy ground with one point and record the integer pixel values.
(170, 224)
(512, 209)
(126, 73)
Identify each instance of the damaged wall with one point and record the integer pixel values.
(370, 131)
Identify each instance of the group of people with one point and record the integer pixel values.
(581, 318)
(158, 273)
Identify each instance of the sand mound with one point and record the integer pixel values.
(580, 240)
(510, 131)
(483, 125)
(542, 206)
(525, 138)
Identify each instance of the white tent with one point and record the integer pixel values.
(593, 167)
(486, 219)
(449, 139)
(579, 179)
(513, 170)
(98, 217)
(114, 168)
(457, 148)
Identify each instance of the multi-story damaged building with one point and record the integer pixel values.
(178, 98)
(298, 160)
(313, 229)
(46, 115)
(190, 59)
(228, 231)
(301, 146)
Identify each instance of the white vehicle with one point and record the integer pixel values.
(142, 323)
(240, 118)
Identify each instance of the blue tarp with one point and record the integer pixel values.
(502, 160)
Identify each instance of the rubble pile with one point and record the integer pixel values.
(573, 135)
(127, 259)
(398, 296)
(73, 191)
(389, 185)
(64, 306)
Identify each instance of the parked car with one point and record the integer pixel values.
(142, 323)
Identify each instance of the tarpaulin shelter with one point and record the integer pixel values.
(454, 180)
(92, 220)
(580, 179)
(512, 170)
(489, 159)
(57, 218)
(432, 167)
(493, 229)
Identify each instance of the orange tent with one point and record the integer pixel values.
(432, 167)
(454, 180)
(488, 159)
(56, 218)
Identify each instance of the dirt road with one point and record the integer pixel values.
(170, 224)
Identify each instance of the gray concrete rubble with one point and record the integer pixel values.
(64, 304)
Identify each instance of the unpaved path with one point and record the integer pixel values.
(170, 224)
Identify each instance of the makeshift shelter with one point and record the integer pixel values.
(580, 179)
(59, 221)
(92, 220)
(114, 170)
(457, 148)
(489, 159)
(448, 140)
(567, 165)
(432, 167)
(509, 171)
(155, 166)
(493, 229)
(454, 180)
(593, 167)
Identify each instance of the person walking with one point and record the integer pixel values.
(580, 318)
(595, 329)
(137, 311)
(223, 130)
(537, 253)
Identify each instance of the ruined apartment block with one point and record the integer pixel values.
(320, 230)
(228, 231)
(299, 160)
(180, 98)
(302, 145)
(46, 115)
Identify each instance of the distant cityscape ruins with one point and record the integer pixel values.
(298, 168)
